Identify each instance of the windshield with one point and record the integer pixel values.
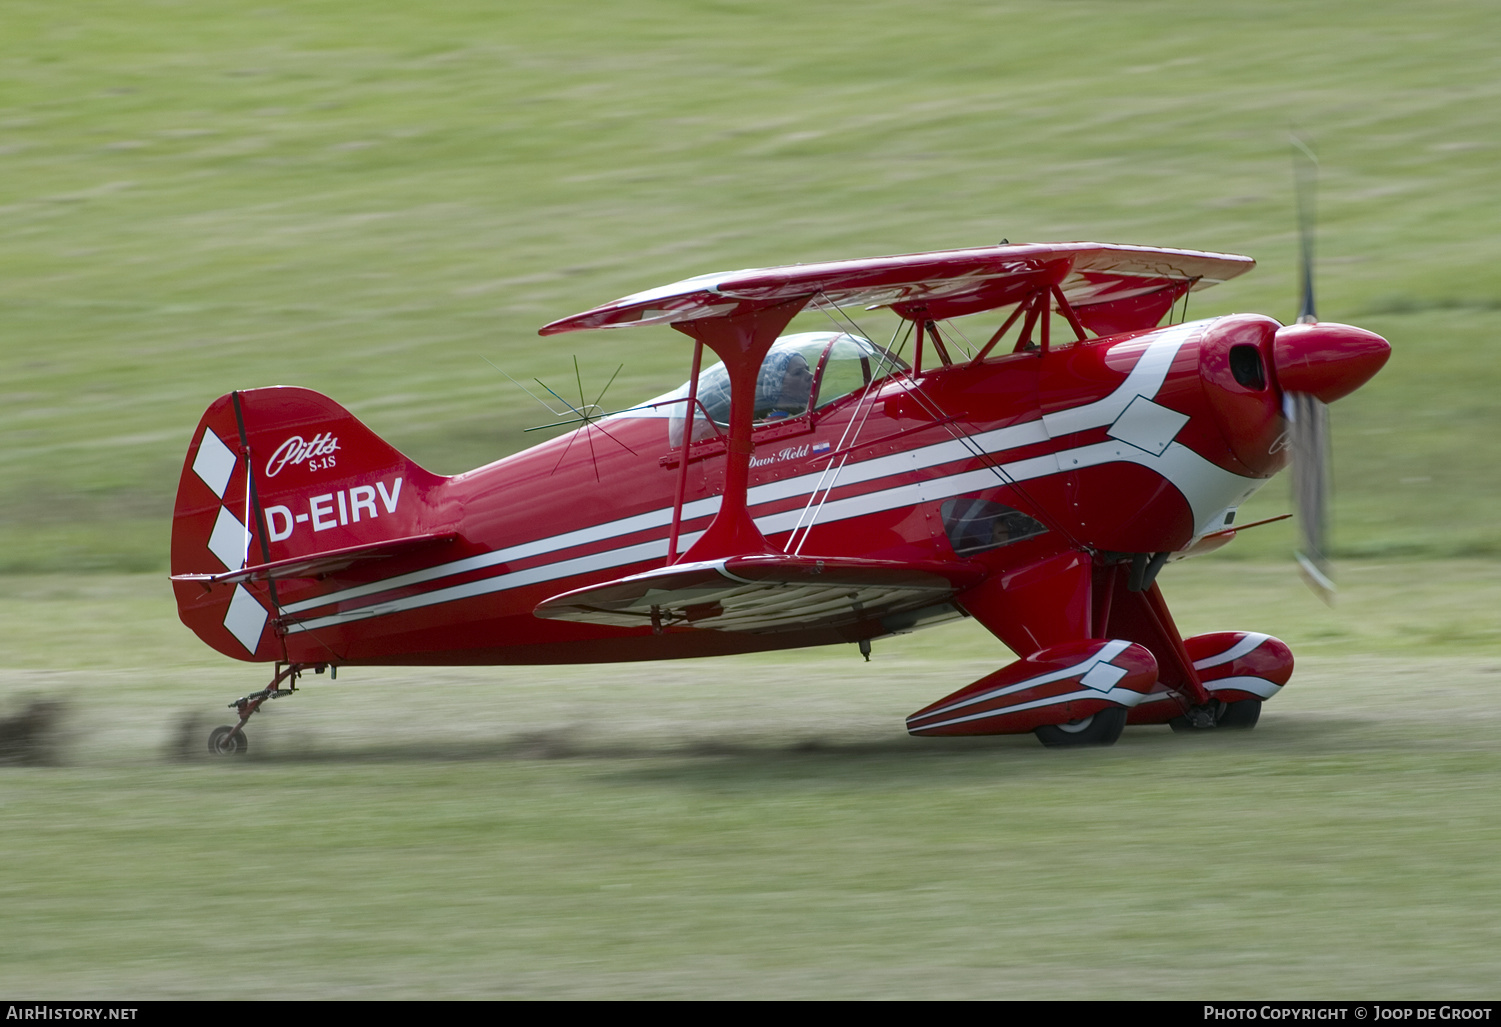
(809, 370)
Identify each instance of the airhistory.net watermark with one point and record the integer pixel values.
(48, 1011)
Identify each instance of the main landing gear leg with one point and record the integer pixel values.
(230, 741)
(1141, 615)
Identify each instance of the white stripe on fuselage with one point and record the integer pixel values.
(1145, 379)
(1208, 488)
(1177, 463)
(539, 547)
(653, 550)
(1252, 640)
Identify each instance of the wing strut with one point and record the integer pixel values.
(1021, 308)
(742, 342)
(677, 501)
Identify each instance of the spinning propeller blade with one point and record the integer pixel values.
(1305, 177)
(1308, 416)
(1316, 365)
(1308, 423)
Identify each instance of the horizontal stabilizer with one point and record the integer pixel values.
(764, 593)
(316, 565)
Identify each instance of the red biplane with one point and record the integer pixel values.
(809, 489)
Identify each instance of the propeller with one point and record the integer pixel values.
(1316, 364)
(1305, 179)
(1308, 424)
(1307, 416)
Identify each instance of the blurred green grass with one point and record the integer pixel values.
(369, 201)
(756, 826)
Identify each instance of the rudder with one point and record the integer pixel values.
(274, 474)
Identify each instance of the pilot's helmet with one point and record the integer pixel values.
(784, 384)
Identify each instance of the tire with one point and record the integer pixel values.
(1240, 716)
(221, 744)
(1232, 716)
(1101, 729)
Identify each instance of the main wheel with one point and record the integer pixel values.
(1101, 729)
(1232, 716)
(1240, 716)
(220, 742)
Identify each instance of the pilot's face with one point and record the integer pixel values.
(796, 384)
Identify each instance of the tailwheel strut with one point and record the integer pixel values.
(230, 740)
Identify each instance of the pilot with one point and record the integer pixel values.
(783, 389)
(784, 386)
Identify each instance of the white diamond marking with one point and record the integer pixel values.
(1147, 425)
(246, 618)
(1102, 677)
(214, 463)
(228, 540)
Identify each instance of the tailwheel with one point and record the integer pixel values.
(1102, 728)
(230, 741)
(226, 741)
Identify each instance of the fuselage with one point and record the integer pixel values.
(1137, 443)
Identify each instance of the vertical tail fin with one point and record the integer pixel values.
(273, 475)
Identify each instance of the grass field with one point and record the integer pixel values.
(760, 826)
(373, 199)
(1335, 857)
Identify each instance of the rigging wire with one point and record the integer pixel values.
(888, 359)
(966, 345)
(909, 384)
(844, 437)
(523, 388)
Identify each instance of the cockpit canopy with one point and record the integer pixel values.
(801, 372)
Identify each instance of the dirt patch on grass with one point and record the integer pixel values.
(32, 737)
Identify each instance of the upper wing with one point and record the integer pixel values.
(764, 593)
(1105, 283)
